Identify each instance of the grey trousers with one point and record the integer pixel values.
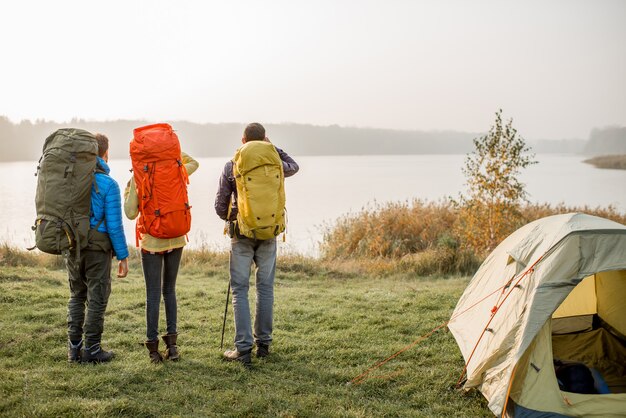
(245, 251)
(90, 287)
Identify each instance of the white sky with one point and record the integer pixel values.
(557, 67)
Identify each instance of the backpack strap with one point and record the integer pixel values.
(185, 178)
(98, 170)
(99, 241)
(74, 231)
(183, 171)
(286, 222)
(142, 189)
(70, 168)
(58, 229)
(99, 223)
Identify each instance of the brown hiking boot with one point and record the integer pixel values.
(153, 348)
(171, 352)
(240, 356)
(262, 350)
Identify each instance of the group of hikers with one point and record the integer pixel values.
(250, 198)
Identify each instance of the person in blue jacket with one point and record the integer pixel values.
(90, 275)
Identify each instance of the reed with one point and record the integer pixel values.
(422, 238)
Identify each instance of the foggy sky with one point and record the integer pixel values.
(557, 67)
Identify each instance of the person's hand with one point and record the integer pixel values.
(122, 268)
(127, 190)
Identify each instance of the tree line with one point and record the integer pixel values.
(23, 141)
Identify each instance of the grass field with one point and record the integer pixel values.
(329, 328)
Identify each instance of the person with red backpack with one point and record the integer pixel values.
(251, 199)
(157, 193)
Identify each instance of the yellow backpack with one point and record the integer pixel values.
(258, 172)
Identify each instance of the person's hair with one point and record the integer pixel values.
(254, 132)
(103, 144)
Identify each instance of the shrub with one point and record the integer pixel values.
(421, 238)
(391, 230)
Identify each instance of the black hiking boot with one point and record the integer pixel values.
(262, 350)
(74, 352)
(95, 354)
(243, 357)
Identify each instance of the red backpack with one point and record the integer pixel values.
(161, 180)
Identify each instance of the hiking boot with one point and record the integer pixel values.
(262, 350)
(95, 354)
(74, 352)
(171, 352)
(153, 348)
(240, 356)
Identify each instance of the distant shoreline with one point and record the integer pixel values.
(386, 154)
(23, 141)
(612, 162)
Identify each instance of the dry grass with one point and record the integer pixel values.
(421, 238)
(389, 230)
(608, 161)
(13, 257)
(537, 211)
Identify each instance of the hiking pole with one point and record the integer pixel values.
(225, 311)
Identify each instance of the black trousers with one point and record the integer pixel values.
(159, 272)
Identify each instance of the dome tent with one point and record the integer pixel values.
(556, 286)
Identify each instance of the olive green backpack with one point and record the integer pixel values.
(63, 199)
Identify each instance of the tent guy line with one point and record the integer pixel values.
(365, 375)
(495, 310)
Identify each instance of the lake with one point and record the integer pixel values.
(329, 187)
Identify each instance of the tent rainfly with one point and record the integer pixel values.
(553, 292)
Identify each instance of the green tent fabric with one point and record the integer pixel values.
(566, 271)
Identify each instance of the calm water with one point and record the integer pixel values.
(329, 187)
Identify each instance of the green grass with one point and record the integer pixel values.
(329, 328)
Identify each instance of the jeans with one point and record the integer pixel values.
(244, 251)
(159, 272)
(90, 288)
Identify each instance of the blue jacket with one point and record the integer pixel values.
(106, 203)
(227, 187)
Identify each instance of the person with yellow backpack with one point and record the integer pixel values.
(251, 199)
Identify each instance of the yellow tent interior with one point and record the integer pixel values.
(590, 327)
